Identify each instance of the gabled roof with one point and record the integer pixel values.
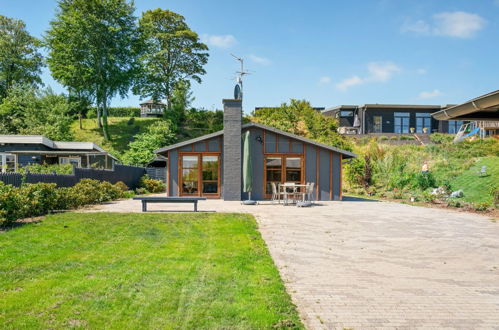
(257, 125)
(55, 145)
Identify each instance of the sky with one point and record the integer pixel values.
(328, 52)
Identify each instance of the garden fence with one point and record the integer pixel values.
(130, 175)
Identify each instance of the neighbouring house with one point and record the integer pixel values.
(21, 150)
(391, 118)
(151, 108)
(484, 110)
(211, 165)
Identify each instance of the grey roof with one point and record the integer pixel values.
(55, 145)
(383, 106)
(482, 108)
(268, 128)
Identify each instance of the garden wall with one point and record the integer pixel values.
(130, 175)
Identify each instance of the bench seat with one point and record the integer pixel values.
(153, 199)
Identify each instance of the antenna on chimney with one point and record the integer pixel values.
(238, 90)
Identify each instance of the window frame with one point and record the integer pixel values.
(283, 157)
(200, 174)
(3, 162)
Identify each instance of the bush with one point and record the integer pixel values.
(37, 199)
(439, 138)
(451, 202)
(152, 185)
(407, 138)
(424, 181)
(47, 168)
(483, 206)
(116, 112)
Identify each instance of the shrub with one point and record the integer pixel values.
(451, 202)
(407, 138)
(439, 138)
(424, 181)
(117, 112)
(152, 185)
(37, 199)
(483, 206)
(48, 168)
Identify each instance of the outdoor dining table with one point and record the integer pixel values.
(283, 188)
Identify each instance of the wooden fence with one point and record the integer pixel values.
(130, 175)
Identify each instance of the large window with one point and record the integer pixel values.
(75, 161)
(281, 168)
(423, 120)
(7, 163)
(454, 126)
(401, 122)
(346, 113)
(199, 175)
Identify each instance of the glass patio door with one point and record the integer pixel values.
(200, 175)
(378, 124)
(401, 122)
(423, 120)
(281, 169)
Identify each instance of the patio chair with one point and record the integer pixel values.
(310, 192)
(483, 171)
(276, 194)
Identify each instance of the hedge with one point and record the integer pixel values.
(116, 112)
(31, 200)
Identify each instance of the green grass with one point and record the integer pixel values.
(128, 271)
(121, 133)
(476, 188)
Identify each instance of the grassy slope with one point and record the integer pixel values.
(121, 132)
(140, 271)
(476, 188)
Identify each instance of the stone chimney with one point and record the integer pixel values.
(232, 154)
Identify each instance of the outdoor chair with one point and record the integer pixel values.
(483, 171)
(310, 192)
(276, 194)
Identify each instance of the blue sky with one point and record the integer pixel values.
(329, 52)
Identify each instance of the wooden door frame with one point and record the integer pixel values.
(200, 155)
(283, 156)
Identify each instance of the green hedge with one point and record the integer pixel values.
(116, 112)
(31, 200)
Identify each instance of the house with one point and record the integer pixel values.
(151, 108)
(391, 118)
(483, 109)
(21, 150)
(211, 165)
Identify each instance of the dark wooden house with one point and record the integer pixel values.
(211, 165)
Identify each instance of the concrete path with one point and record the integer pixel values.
(363, 264)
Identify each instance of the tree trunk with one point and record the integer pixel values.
(99, 121)
(79, 119)
(104, 120)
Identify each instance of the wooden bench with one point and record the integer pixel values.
(146, 200)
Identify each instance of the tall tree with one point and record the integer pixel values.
(92, 50)
(20, 61)
(172, 53)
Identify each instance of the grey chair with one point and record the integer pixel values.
(276, 194)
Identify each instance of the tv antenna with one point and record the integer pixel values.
(238, 90)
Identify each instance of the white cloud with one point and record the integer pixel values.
(378, 72)
(221, 41)
(259, 60)
(325, 80)
(430, 94)
(418, 27)
(421, 71)
(457, 24)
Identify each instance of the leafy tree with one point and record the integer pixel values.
(27, 110)
(180, 102)
(299, 118)
(92, 49)
(20, 61)
(172, 53)
(141, 150)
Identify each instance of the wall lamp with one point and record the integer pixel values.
(259, 139)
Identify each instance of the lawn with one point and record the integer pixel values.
(121, 130)
(108, 270)
(478, 188)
